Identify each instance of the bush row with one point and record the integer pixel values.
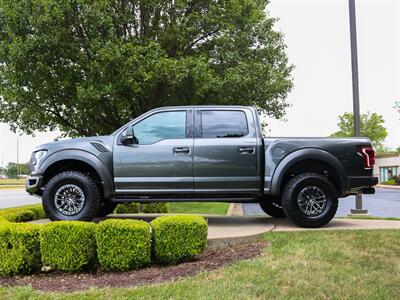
(149, 208)
(23, 214)
(112, 244)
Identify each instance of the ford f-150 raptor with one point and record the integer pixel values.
(200, 153)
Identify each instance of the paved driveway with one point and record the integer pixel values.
(384, 203)
(13, 198)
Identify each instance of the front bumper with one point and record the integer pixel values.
(33, 184)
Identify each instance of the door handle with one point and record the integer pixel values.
(181, 150)
(247, 150)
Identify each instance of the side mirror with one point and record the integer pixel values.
(128, 136)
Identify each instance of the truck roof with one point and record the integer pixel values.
(204, 106)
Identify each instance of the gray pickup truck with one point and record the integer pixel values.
(200, 153)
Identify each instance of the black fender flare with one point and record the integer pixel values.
(86, 157)
(306, 154)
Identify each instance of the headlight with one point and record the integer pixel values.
(37, 157)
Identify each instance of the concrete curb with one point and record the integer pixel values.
(222, 243)
(389, 187)
(235, 209)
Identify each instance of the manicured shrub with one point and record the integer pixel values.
(155, 208)
(38, 211)
(21, 215)
(147, 208)
(68, 245)
(19, 248)
(123, 244)
(178, 238)
(128, 208)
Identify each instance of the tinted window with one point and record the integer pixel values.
(223, 123)
(161, 126)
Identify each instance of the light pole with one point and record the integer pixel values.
(356, 97)
(17, 158)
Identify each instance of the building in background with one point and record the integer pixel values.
(386, 166)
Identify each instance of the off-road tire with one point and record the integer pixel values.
(106, 208)
(291, 194)
(272, 206)
(93, 197)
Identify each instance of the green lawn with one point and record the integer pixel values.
(297, 265)
(214, 208)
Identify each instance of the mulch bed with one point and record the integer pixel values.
(69, 282)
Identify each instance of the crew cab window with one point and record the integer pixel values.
(161, 126)
(223, 123)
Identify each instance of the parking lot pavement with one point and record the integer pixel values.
(384, 203)
(17, 197)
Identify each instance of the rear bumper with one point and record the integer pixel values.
(33, 184)
(362, 181)
(363, 184)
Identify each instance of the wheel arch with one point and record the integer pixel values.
(310, 159)
(78, 160)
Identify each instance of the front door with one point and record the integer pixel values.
(161, 159)
(225, 152)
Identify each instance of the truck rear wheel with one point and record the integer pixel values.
(310, 200)
(71, 195)
(272, 206)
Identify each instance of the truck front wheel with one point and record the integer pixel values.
(272, 206)
(310, 200)
(71, 195)
(106, 208)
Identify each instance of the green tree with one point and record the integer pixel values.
(13, 169)
(398, 150)
(89, 66)
(371, 126)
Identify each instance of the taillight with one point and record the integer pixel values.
(368, 154)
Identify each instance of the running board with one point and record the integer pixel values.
(191, 199)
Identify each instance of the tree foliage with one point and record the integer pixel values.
(89, 66)
(13, 170)
(371, 126)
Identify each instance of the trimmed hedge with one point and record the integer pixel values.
(19, 216)
(155, 208)
(147, 208)
(128, 208)
(68, 245)
(123, 244)
(23, 213)
(39, 212)
(178, 238)
(71, 245)
(19, 248)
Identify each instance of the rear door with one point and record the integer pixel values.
(225, 151)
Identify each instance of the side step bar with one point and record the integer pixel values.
(189, 199)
